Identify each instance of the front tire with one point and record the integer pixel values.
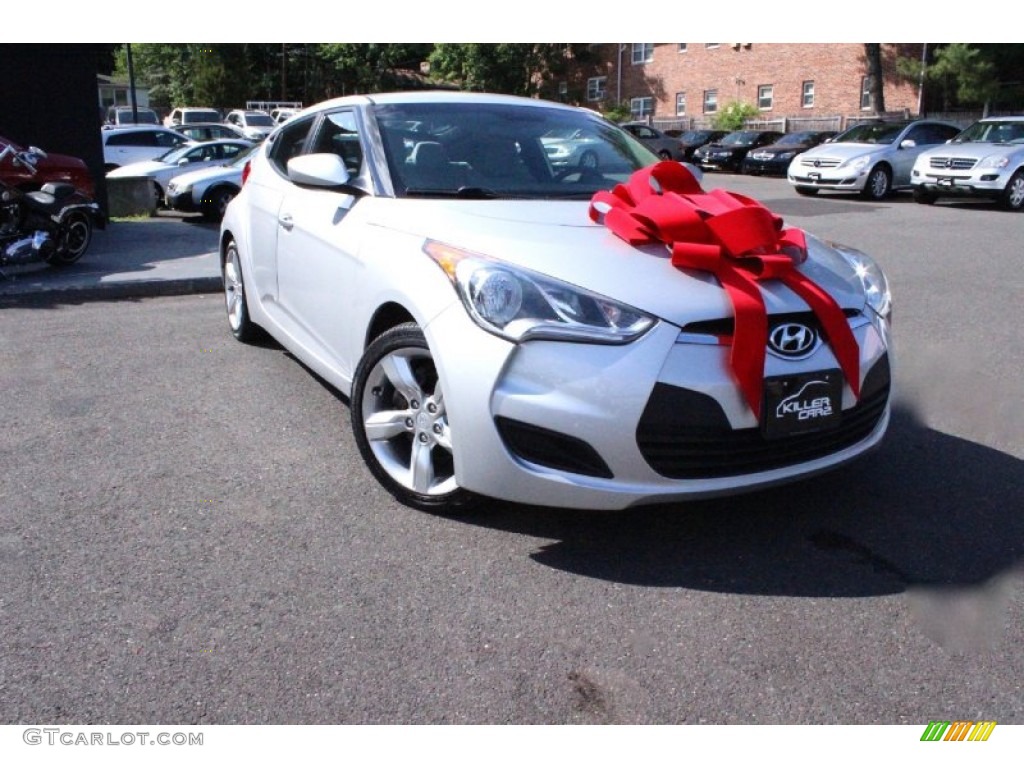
(924, 197)
(400, 422)
(878, 185)
(242, 328)
(1013, 195)
(216, 201)
(74, 238)
(588, 160)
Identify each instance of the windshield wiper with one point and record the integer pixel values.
(466, 193)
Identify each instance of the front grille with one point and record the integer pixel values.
(820, 162)
(952, 163)
(724, 326)
(685, 435)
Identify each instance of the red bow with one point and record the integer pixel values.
(740, 242)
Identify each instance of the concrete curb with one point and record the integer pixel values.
(114, 291)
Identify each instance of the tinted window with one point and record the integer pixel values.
(498, 150)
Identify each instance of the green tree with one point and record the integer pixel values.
(964, 73)
(734, 115)
(524, 69)
(370, 67)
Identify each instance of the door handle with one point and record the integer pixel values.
(286, 221)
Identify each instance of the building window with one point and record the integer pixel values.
(711, 45)
(641, 107)
(597, 88)
(681, 103)
(865, 93)
(807, 97)
(710, 101)
(765, 96)
(643, 53)
(682, 47)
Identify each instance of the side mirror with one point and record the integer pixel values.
(908, 144)
(318, 170)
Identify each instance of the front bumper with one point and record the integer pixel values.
(607, 427)
(985, 182)
(765, 167)
(720, 163)
(852, 181)
(182, 201)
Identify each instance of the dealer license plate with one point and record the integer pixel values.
(946, 181)
(805, 402)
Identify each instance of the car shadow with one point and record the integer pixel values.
(925, 510)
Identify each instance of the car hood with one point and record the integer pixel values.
(973, 149)
(215, 173)
(559, 240)
(144, 168)
(776, 148)
(846, 150)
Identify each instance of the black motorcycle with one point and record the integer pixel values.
(54, 224)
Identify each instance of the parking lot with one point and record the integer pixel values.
(189, 535)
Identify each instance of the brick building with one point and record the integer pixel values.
(688, 83)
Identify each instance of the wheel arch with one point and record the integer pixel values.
(386, 317)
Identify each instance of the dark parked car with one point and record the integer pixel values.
(664, 146)
(774, 159)
(52, 167)
(691, 141)
(728, 153)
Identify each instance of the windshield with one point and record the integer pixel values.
(504, 150)
(797, 138)
(199, 116)
(255, 118)
(174, 155)
(994, 132)
(740, 138)
(871, 133)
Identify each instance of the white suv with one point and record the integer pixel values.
(135, 143)
(185, 115)
(984, 160)
(254, 124)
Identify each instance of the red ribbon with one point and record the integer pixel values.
(741, 243)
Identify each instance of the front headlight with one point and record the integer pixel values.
(872, 278)
(518, 304)
(785, 155)
(858, 163)
(994, 161)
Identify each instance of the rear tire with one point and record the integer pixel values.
(74, 238)
(242, 328)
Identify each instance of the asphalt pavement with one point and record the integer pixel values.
(162, 255)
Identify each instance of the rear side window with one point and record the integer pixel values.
(288, 144)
